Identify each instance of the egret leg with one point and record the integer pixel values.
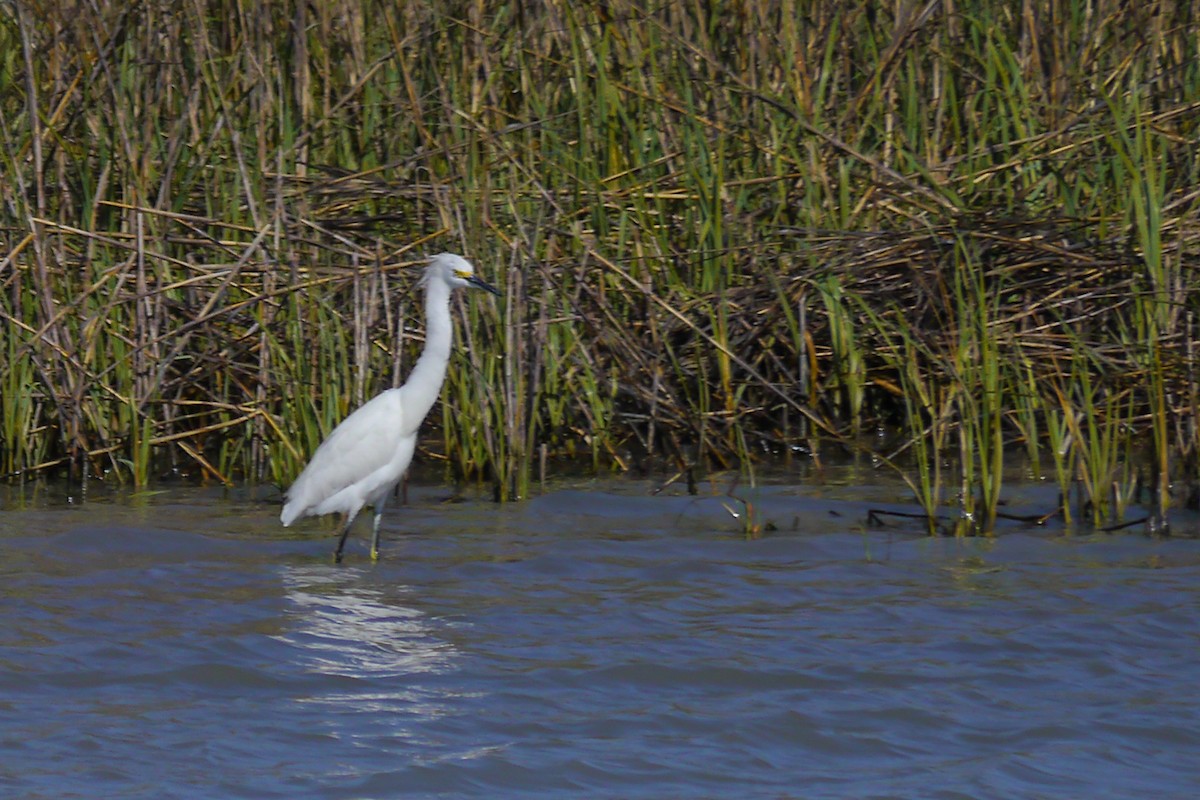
(375, 531)
(347, 519)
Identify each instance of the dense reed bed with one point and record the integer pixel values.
(728, 232)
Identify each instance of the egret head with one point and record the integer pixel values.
(456, 272)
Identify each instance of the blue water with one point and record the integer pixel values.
(597, 643)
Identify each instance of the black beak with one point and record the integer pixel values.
(480, 283)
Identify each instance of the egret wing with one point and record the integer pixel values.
(365, 442)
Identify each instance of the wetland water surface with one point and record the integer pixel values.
(588, 644)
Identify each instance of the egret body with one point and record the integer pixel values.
(365, 457)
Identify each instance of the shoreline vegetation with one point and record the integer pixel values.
(932, 233)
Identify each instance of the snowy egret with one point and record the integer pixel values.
(365, 457)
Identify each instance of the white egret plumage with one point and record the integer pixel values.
(363, 460)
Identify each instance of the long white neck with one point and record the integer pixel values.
(425, 381)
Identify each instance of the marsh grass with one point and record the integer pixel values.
(721, 231)
(928, 410)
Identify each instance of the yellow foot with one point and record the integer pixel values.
(374, 555)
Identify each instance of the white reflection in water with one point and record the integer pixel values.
(344, 629)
